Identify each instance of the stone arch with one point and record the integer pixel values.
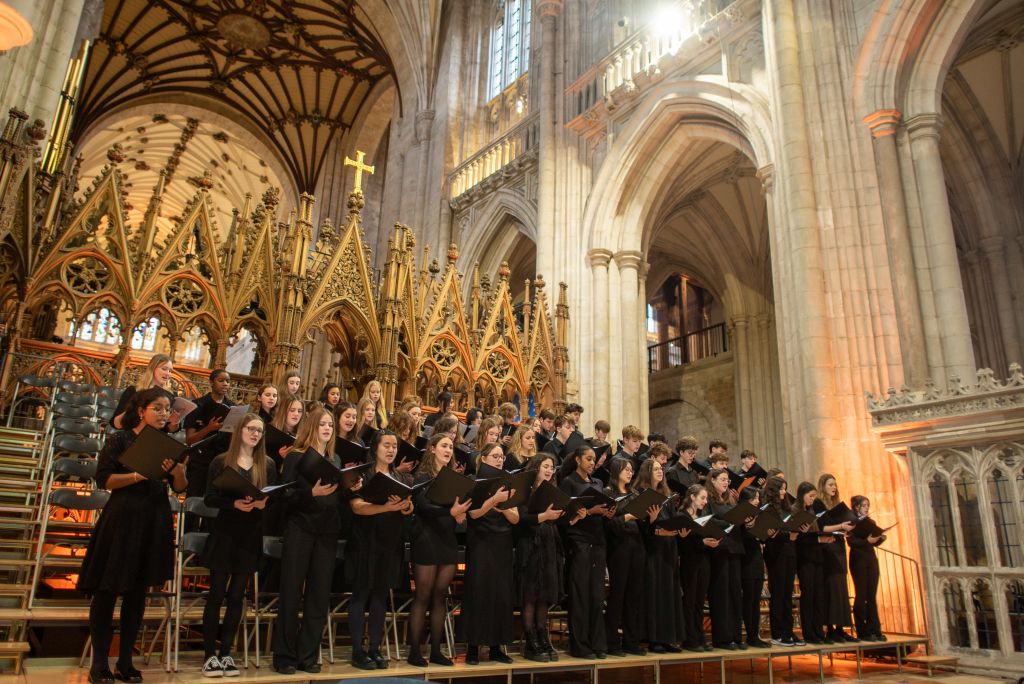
(490, 242)
(907, 53)
(644, 157)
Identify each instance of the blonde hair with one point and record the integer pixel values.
(381, 419)
(146, 380)
(306, 436)
(259, 453)
(281, 411)
(516, 448)
(360, 410)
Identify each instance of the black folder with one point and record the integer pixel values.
(797, 520)
(676, 486)
(508, 430)
(574, 442)
(315, 467)
(759, 474)
(213, 410)
(702, 467)
(149, 450)
(350, 452)
(367, 433)
(739, 513)
(464, 455)
(421, 443)
(767, 519)
(274, 440)
(448, 486)
(232, 482)
(644, 500)
(381, 487)
(701, 526)
(866, 527)
(541, 440)
(837, 515)
(407, 453)
(522, 482)
(738, 482)
(547, 494)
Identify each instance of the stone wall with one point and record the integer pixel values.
(699, 399)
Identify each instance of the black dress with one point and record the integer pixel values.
(539, 559)
(487, 600)
(433, 531)
(662, 589)
(837, 593)
(133, 542)
(236, 537)
(375, 552)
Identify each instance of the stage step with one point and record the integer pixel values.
(934, 661)
(14, 650)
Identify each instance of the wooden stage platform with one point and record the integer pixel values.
(716, 660)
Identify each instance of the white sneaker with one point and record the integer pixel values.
(212, 667)
(227, 663)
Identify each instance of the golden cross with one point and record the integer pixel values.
(360, 167)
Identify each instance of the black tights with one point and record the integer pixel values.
(375, 602)
(431, 585)
(232, 587)
(101, 626)
(535, 613)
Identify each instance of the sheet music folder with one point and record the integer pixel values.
(149, 450)
(232, 481)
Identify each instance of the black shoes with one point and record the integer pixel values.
(634, 651)
(128, 674)
(544, 639)
(378, 659)
(416, 659)
(104, 676)
(757, 643)
(534, 650)
(657, 648)
(438, 658)
(312, 668)
(360, 659)
(499, 656)
(672, 648)
(472, 655)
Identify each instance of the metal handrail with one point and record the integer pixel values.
(679, 351)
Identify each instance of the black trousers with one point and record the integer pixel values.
(725, 598)
(625, 610)
(696, 577)
(586, 596)
(752, 607)
(812, 600)
(307, 560)
(781, 574)
(101, 626)
(865, 602)
(225, 588)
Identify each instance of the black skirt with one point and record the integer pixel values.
(539, 565)
(663, 591)
(487, 600)
(375, 553)
(133, 542)
(837, 592)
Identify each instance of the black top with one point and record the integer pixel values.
(266, 416)
(230, 520)
(731, 543)
(619, 531)
(197, 420)
(316, 514)
(808, 548)
(683, 476)
(433, 535)
(590, 530)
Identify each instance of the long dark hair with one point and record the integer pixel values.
(375, 442)
(772, 490)
(327, 388)
(692, 492)
(722, 498)
(615, 469)
(570, 464)
(801, 491)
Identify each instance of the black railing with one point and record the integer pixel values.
(679, 351)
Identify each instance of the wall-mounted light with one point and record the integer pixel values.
(15, 31)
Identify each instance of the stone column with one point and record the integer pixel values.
(599, 398)
(801, 238)
(883, 126)
(613, 316)
(423, 124)
(547, 11)
(947, 284)
(738, 325)
(630, 365)
(641, 331)
(994, 249)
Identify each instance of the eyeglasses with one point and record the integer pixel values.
(253, 430)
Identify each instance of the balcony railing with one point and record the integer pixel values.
(520, 141)
(679, 351)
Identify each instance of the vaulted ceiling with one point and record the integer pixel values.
(295, 73)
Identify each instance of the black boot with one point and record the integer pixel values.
(544, 639)
(472, 655)
(535, 651)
